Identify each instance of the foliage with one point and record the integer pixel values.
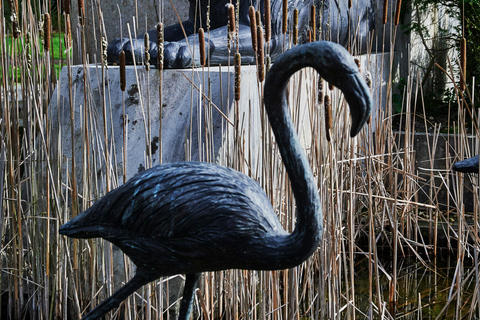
(471, 13)
(20, 46)
(468, 13)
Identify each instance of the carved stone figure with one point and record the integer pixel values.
(338, 24)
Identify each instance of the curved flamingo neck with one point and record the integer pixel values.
(308, 228)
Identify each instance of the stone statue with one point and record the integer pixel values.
(338, 24)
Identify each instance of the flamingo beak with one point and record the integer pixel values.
(359, 98)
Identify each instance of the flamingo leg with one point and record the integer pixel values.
(114, 300)
(191, 282)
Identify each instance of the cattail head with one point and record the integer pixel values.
(368, 78)
(258, 18)
(238, 66)
(123, 81)
(46, 31)
(359, 64)
(313, 24)
(397, 12)
(295, 26)
(385, 11)
(68, 32)
(260, 57)
(328, 117)
(463, 63)
(349, 4)
(284, 16)
(13, 4)
(160, 45)
(146, 44)
(146, 41)
(253, 27)
(320, 91)
(16, 29)
(201, 40)
(268, 62)
(330, 86)
(28, 39)
(207, 22)
(81, 12)
(268, 21)
(104, 51)
(66, 6)
(231, 18)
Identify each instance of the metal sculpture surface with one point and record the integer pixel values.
(339, 22)
(469, 165)
(191, 217)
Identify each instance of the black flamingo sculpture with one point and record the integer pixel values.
(191, 217)
(469, 165)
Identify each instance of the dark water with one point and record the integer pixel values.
(425, 290)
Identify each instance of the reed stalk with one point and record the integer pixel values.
(463, 63)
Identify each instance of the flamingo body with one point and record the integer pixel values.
(191, 217)
(196, 216)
